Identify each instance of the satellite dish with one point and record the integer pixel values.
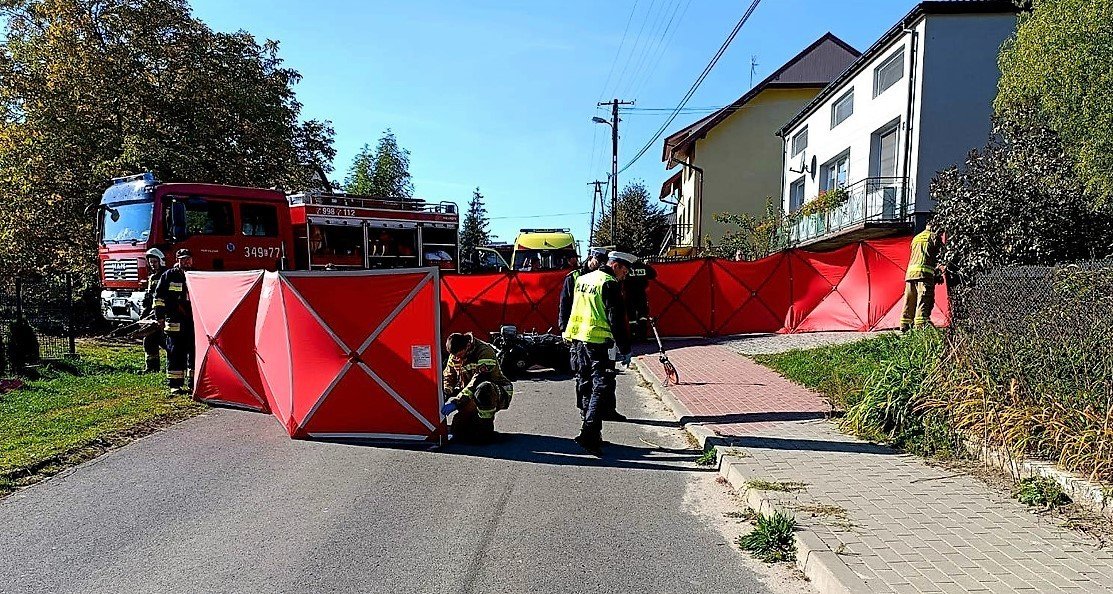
(803, 168)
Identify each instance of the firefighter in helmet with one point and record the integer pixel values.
(920, 279)
(175, 314)
(598, 329)
(153, 341)
(475, 387)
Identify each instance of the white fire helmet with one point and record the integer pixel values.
(158, 254)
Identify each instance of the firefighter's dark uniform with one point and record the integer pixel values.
(153, 342)
(920, 279)
(479, 389)
(597, 325)
(637, 302)
(172, 305)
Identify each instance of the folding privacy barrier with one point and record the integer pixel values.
(859, 287)
(225, 305)
(335, 355)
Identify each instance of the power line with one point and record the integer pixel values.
(651, 48)
(652, 40)
(634, 48)
(618, 53)
(666, 42)
(559, 214)
(695, 86)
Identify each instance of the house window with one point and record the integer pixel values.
(843, 108)
(799, 141)
(889, 72)
(836, 172)
(796, 195)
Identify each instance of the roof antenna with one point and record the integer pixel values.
(753, 69)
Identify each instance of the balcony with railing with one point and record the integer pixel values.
(875, 207)
(679, 237)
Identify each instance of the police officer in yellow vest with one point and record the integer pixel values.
(919, 284)
(595, 258)
(475, 386)
(598, 329)
(175, 313)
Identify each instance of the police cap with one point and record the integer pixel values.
(627, 259)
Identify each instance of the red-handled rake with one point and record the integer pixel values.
(672, 376)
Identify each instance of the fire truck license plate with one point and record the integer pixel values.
(119, 303)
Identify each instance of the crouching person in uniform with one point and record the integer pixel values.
(175, 314)
(475, 387)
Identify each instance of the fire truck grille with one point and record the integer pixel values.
(121, 270)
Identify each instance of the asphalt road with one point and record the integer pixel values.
(226, 502)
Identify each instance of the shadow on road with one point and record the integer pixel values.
(780, 443)
(562, 451)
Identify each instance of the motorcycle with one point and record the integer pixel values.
(518, 352)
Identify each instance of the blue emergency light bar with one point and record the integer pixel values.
(146, 177)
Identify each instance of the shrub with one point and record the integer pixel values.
(3, 355)
(771, 539)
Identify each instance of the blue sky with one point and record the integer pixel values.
(500, 94)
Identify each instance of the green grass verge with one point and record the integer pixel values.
(78, 409)
(879, 383)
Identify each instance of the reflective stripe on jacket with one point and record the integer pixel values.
(924, 258)
(480, 365)
(588, 319)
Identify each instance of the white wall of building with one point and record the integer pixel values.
(955, 82)
(856, 133)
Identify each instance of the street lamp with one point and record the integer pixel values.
(614, 170)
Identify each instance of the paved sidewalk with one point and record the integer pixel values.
(897, 523)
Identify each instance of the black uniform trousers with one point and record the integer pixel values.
(595, 384)
(152, 346)
(179, 355)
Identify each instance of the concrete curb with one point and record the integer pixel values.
(828, 573)
(1087, 494)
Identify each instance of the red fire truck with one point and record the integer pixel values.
(237, 228)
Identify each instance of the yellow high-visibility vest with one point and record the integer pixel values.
(588, 319)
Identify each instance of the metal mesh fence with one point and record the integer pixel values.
(1030, 362)
(58, 309)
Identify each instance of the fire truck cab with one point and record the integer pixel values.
(239, 228)
(226, 228)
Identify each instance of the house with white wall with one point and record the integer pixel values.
(730, 160)
(916, 102)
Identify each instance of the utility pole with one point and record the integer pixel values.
(614, 103)
(596, 198)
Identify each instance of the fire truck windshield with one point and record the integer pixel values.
(130, 221)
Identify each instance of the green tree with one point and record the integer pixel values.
(383, 172)
(1018, 201)
(755, 237)
(92, 89)
(640, 227)
(474, 230)
(1061, 61)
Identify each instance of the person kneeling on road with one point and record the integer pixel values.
(599, 331)
(475, 387)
